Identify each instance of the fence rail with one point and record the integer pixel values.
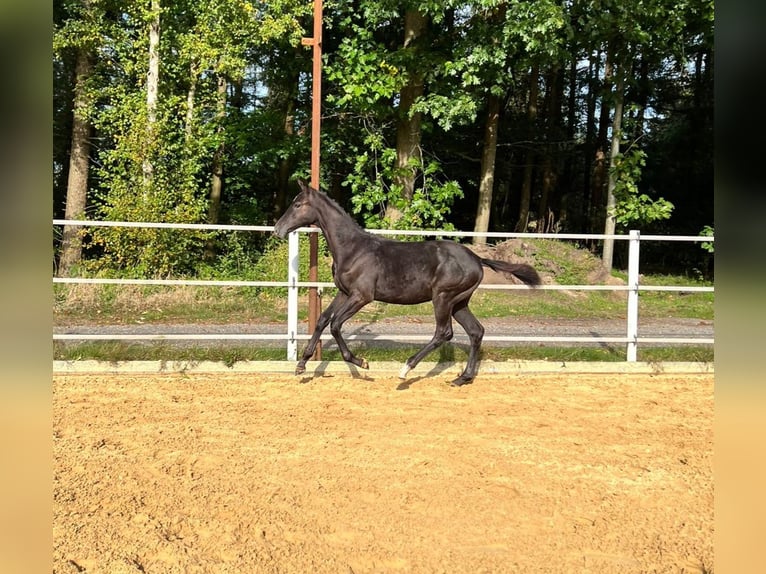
(293, 284)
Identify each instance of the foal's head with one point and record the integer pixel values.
(302, 211)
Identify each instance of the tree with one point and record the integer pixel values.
(408, 154)
(380, 81)
(77, 34)
(629, 36)
(169, 140)
(611, 201)
(216, 184)
(487, 179)
(496, 42)
(489, 114)
(630, 207)
(152, 88)
(526, 187)
(79, 160)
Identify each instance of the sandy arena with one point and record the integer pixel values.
(342, 474)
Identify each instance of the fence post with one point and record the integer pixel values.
(293, 267)
(633, 280)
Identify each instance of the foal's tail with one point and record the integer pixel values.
(526, 273)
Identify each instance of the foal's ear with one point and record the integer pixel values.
(303, 185)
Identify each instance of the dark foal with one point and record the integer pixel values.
(370, 268)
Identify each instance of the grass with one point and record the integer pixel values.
(129, 304)
(557, 261)
(87, 304)
(683, 305)
(123, 351)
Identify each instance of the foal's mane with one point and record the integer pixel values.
(338, 209)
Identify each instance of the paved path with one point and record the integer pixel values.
(385, 331)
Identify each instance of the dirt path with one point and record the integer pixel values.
(534, 473)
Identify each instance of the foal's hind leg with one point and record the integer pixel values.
(475, 331)
(442, 334)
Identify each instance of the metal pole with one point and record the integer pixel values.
(316, 121)
(633, 280)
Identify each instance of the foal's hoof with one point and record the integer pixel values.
(460, 381)
(300, 369)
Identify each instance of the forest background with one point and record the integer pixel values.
(581, 116)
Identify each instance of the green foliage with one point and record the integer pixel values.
(498, 38)
(236, 259)
(171, 196)
(202, 43)
(373, 191)
(635, 209)
(361, 72)
(272, 265)
(260, 126)
(708, 246)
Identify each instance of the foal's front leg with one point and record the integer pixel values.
(345, 311)
(322, 323)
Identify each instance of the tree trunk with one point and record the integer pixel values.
(237, 99)
(487, 169)
(642, 102)
(529, 164)
(216, 184)
(590, 139)
(152, 89)
(408, 124)
(77, 184)
(599, 175)
(609, 225)
(505, 188)
(571, 210)
(545, 216)
(553, 98)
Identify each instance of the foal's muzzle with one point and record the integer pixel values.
(279, 232)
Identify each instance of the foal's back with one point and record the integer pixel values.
(416, 272)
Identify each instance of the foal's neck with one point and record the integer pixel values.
(338, 227)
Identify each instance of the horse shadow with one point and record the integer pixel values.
(446, 361)
(321, 370)
(445, 357)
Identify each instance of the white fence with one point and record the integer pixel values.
(293, 283)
